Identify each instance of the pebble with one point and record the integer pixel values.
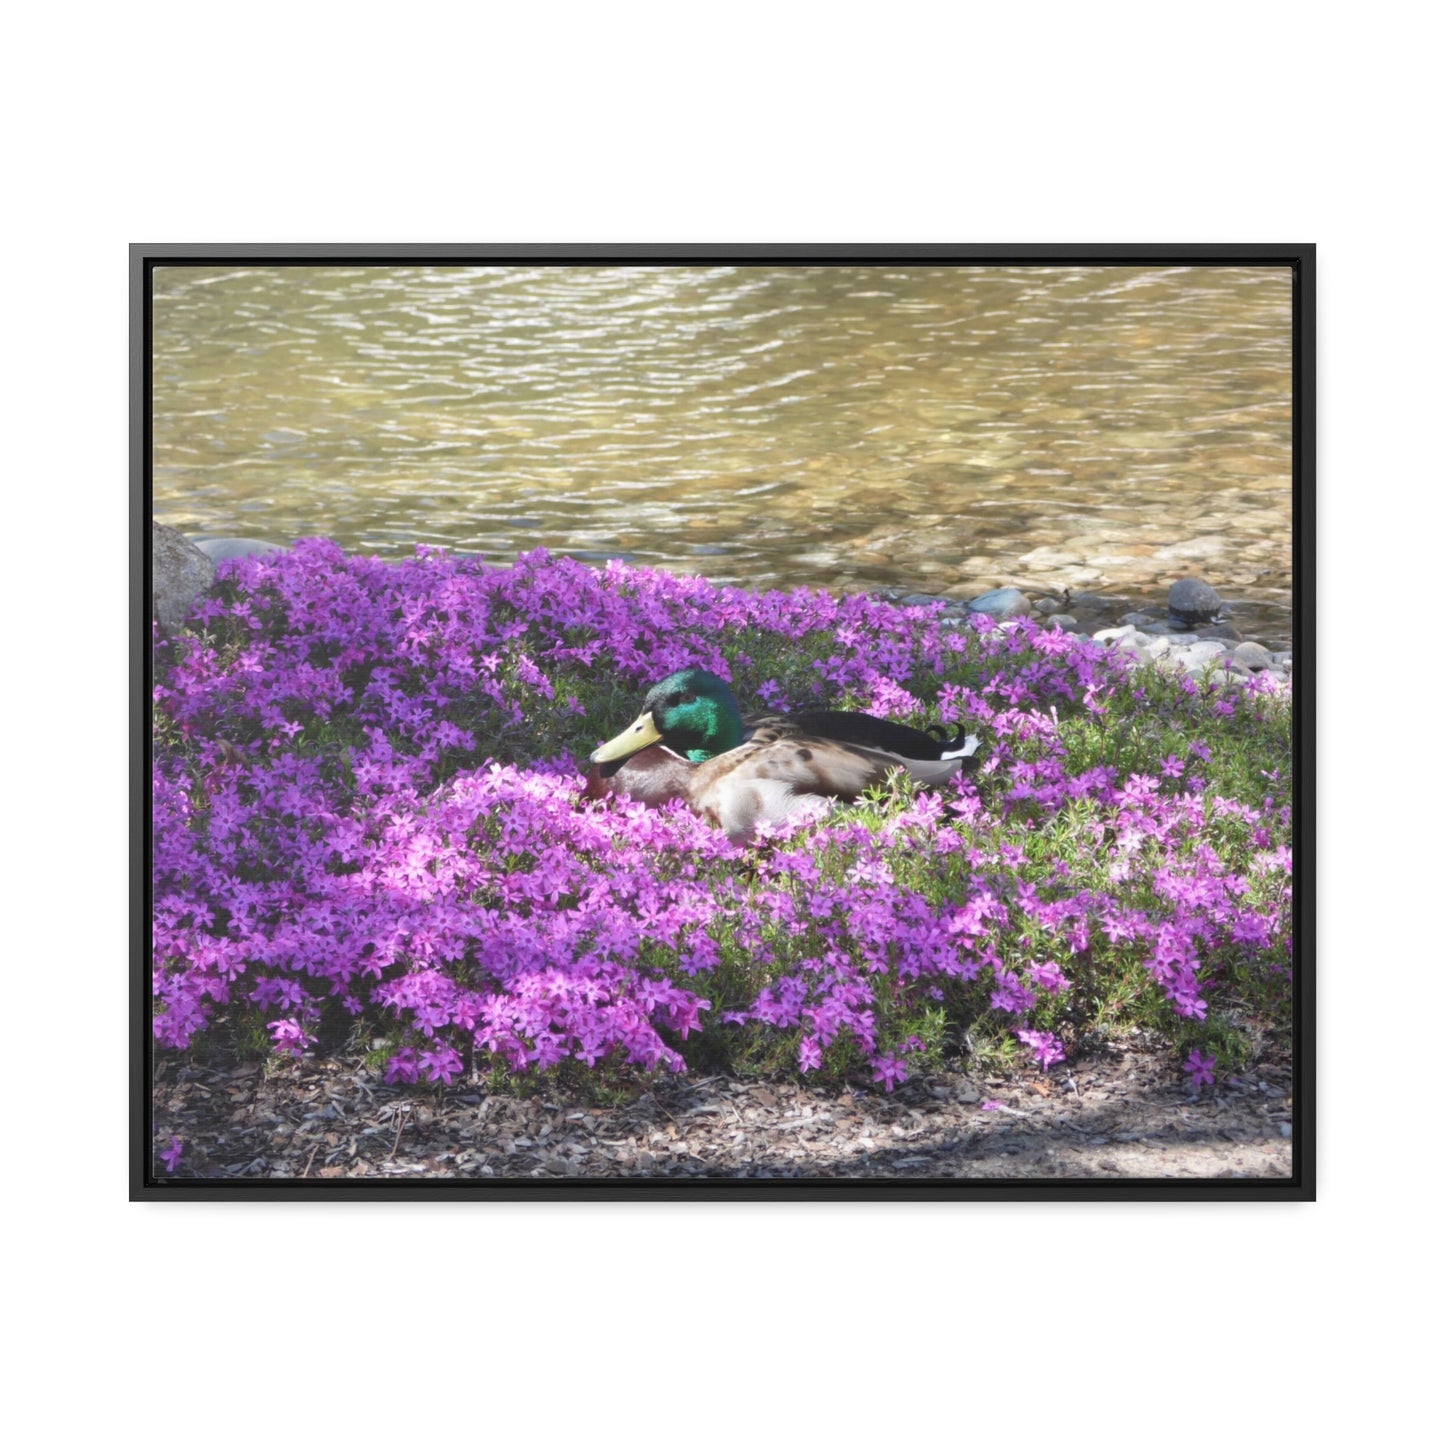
(1116, 634)
(1063, 622)
(1001, 602)
(1223, 630)
(1252, 655)
(1196, 654)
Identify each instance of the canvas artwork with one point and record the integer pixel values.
(723, 721)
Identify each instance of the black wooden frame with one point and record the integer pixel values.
(146, 1184)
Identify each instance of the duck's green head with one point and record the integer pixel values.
(692, 712)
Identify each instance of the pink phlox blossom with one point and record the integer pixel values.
(288, 1036)
(1011, 994)
(442, 1064)
(1199, 1068)
(1049, 977)
(401, 1067)
(1047, 1049)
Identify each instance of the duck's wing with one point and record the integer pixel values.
(810, 764)
(859, 729)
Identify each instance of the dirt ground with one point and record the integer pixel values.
(1124, 1113)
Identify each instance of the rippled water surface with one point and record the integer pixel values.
(945, 429)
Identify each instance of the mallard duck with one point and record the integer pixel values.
(692, 742)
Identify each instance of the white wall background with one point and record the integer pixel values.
(767, 122)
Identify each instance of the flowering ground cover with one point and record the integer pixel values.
(368, 824)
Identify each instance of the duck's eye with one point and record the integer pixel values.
(684, 698)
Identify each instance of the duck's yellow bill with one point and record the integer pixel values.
(643, 733)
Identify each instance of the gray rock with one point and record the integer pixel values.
(1222, 630)
(1129, 633)
(1001, 602)
(180, 572)
(918, 599)
(1062, 622)
(1251, 655)
(221, 549)
(1192, 600)
(1140, 619)
(1046, 606)
(1198, 655)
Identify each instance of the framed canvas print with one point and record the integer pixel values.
(723, 721)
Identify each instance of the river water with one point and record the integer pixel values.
(941, 428)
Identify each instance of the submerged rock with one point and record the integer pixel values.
(1223, 631)
(1193, 600)
(1001, 602)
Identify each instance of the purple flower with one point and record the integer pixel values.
(288, 1036)
(1199, 1069)
(1011, 995)
(172, 1154)
(442, 1064)
(401, 1067)
(1047, 1049)
(1048, 976)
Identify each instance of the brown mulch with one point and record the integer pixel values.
(1123, 1113)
